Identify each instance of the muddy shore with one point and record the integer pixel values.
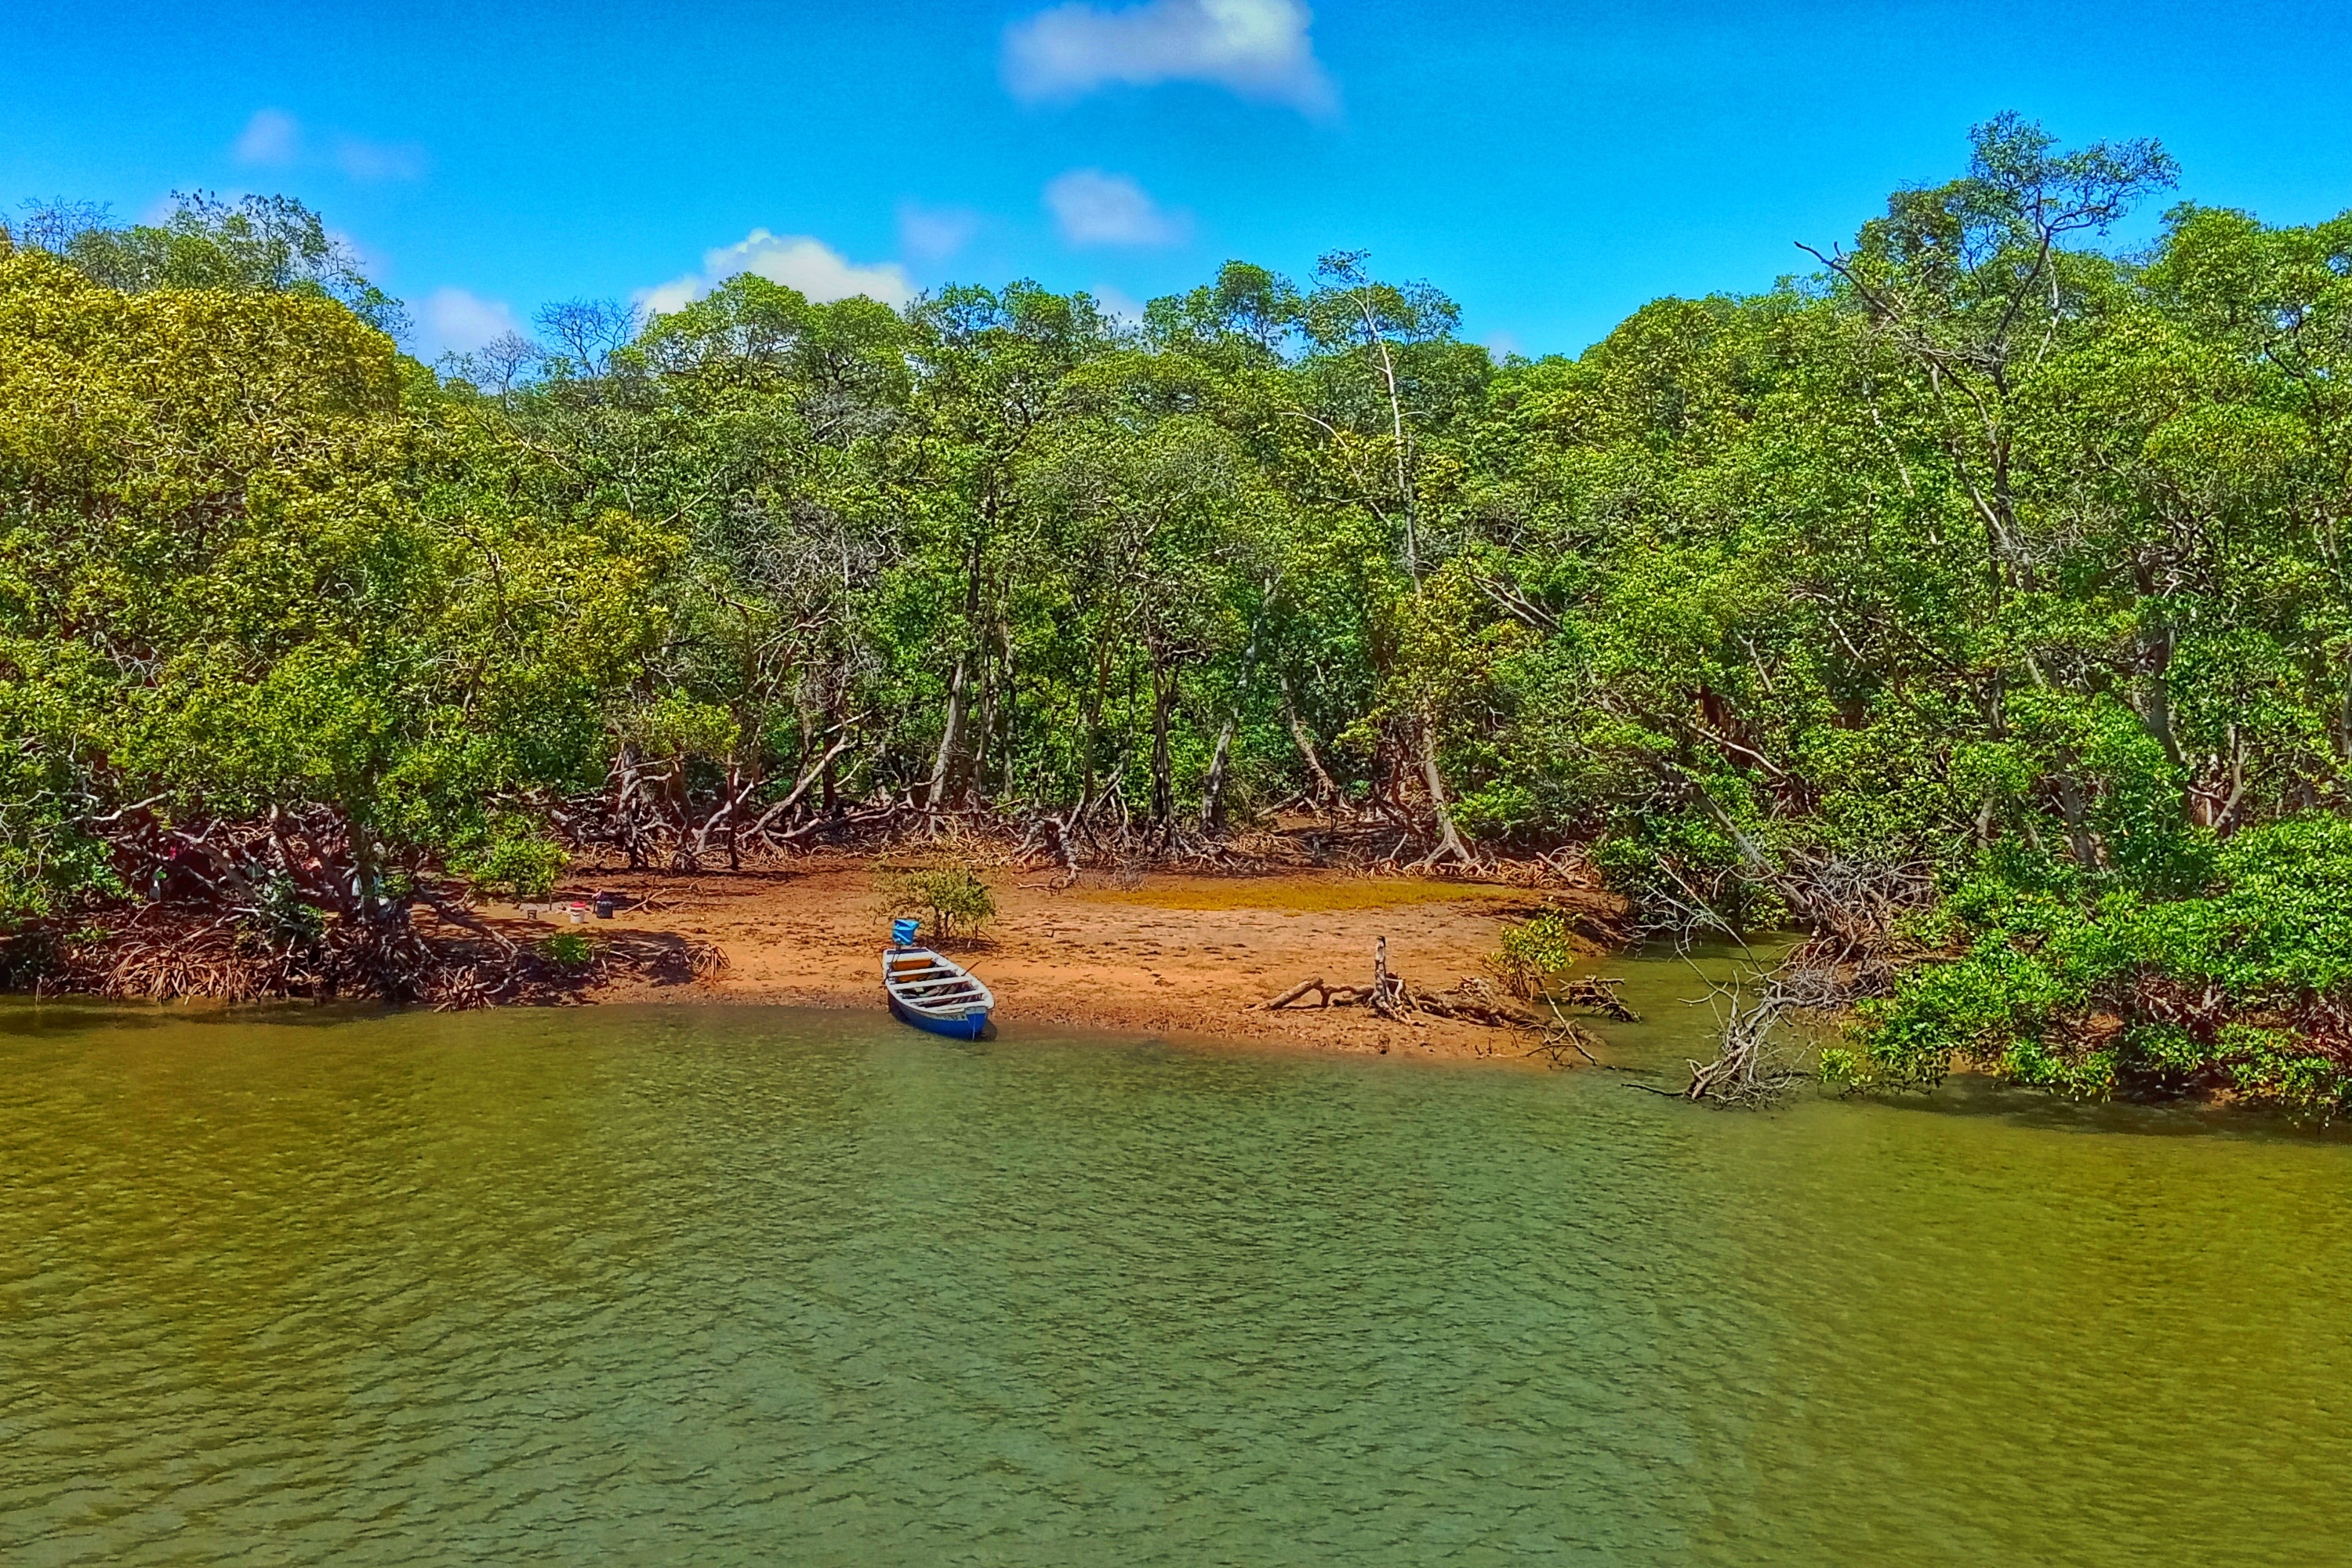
(1179, 954)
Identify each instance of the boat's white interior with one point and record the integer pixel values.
(921, 979)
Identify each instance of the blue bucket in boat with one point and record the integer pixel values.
(902, 933)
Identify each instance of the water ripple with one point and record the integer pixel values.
(753, 1287)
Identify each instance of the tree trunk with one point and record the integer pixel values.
(1097, 695)
(1387, 792)
(1010, 746)
(1326, 793)
(1396, 421)
(1163, 782)
(947, 766)
(2156, 697)
(2343, 726)
(1212, 790)
(950, 743)
(624, 806)
(2078, 830)
(1449, 842)
(975, 782)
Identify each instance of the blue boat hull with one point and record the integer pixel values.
(970, 1028)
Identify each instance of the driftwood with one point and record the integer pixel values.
(1751, 1069)
(1325, 995)
(1597, 992)
(1387, 995)
(1472, 1001)
(1564, 1035)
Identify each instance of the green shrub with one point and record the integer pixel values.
(1532, 951)
(2238, 989)
(1496, 811)
(1682, 861)
(571, 949)
(515, 857)
(949, 893)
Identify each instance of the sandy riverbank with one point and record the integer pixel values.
(1181, 954)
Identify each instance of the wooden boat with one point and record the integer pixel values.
(932, 993)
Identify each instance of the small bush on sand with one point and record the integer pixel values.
(1532, 951)
(571, 949)
(951, 893)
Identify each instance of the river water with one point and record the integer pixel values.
(744, 1286)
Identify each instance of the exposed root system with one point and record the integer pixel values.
(163, 953)
(1470, 1001)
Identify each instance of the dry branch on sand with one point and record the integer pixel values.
(1389, 995)
(1470, 1001)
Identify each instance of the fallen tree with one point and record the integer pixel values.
(1470, 1001)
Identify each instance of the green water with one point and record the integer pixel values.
(762, 1287)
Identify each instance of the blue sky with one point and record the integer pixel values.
(1552, 166)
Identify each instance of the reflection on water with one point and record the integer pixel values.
(752, 1287)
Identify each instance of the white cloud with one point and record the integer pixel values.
(370, 260)
(369, 161)
(457, 321)
(1091, 207)
(796, 260)
(1258, 48)
(1117, 304)
(675, 295)
(934, 234)
(272, 138)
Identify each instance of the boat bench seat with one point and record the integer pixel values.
(939, 990)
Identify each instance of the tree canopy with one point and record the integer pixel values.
(1987, 566)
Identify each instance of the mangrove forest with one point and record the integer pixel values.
(1974, 601)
